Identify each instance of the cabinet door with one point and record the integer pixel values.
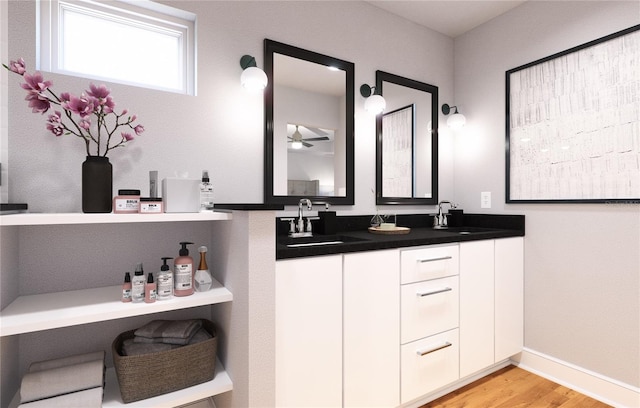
(309, 332)
(476, 306)
(372, 329)
(509, 287)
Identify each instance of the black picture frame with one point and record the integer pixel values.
(572, 127)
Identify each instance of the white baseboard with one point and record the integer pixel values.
(592, 384)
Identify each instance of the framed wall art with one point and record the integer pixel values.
(573, 124)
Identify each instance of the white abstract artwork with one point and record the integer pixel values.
(573, 124)
(397, 152)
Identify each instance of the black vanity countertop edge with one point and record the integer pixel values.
(250, 207)
(476, 227)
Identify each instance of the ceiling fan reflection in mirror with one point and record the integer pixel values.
(298, 139)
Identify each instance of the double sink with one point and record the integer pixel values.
(326, 240)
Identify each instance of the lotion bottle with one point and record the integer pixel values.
(183, 272)
(165, 281)
(126, 288)
(202, 276)
(137, 285)
(150, 290)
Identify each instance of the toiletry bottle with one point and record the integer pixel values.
(126, 288)
(203, 277)
(165, 281)
(137, 285)
(206, 193)
(183, 272)
(150, 290)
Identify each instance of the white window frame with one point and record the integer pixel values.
(146, 13)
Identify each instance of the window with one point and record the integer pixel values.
(138, 43)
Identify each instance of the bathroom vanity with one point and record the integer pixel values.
(397, 320)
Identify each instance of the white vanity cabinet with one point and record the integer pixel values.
(337, 330)
(491, 302)
(54, 272)
(429, 320)
(371, 329)
(308, 316)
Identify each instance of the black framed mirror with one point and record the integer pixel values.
(406, 142)
(309, 125)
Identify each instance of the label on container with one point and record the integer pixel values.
(183, 273)
(126, 294)
(148, 207)
(127, 204)
(165, 285)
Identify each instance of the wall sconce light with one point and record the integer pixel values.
(252, 78)
(375, 103)
(456, 120)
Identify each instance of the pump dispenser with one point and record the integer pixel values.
(150, 291)
(203, 276)
(183, 272)
(206, 193)
(165, 281)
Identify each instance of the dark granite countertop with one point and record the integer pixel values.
(354, 237)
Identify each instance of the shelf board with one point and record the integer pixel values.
(108, 218)
(220, 383)
(62, 309)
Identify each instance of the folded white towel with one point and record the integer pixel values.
(91, 398)
(66, 361)
(62, 380)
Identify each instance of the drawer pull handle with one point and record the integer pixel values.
(425, 352)
(443, 258)
(433, 292)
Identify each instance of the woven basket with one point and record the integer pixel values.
(148, 375)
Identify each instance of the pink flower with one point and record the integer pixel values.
(99, 92)
(85, 124)
(37, 102)
(108, 105)
(127, 136)
(55, 118)
(35, 83)
(124, 112)
(138, 129)
(81, 106)
(56, 130)
(17, 66)
(65, 97)
(133, 118)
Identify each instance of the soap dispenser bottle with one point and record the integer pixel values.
(206, 193)
(203, 277)
(137, 284)
(183, 272)
(165, 281)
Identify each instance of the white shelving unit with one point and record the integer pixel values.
(63, 309)
(35, 313)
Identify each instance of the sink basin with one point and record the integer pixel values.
(317, 240)
(464, 230)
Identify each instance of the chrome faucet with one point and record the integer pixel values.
(301, 230)
(440, 220)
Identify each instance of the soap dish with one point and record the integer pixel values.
(390, 231)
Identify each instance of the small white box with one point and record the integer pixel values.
(181, 195)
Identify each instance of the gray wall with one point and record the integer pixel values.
(582, 262)
(221, 129)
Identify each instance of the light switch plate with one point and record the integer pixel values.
(485, 199)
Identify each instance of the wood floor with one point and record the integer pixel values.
(513, 387)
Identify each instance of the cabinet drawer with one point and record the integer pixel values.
(429, 263)
(428, 308)
(428, 364)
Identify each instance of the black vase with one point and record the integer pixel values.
(97, 185)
